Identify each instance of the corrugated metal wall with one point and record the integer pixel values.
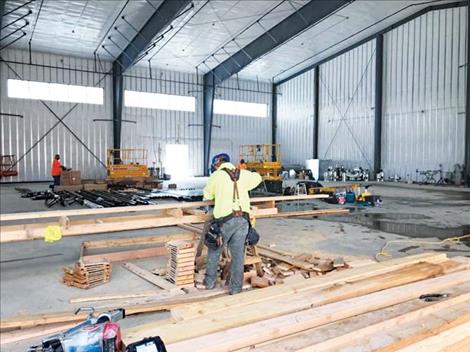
(295, 118)
(19, 134)
(154, 129)
(236, 130)
(424, 93)
(347, 93)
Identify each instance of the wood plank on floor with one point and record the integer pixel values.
(271, 308)
(152, 278)
(249, 334)
(439, 341)
(355, 274)
(157, 305)
(351, 337)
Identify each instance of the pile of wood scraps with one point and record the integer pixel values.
(279, 265)
(265, 266)
(87, 274)
(352, 305)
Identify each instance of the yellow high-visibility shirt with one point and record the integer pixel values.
(220, 188)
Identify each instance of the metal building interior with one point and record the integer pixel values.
(354, 112)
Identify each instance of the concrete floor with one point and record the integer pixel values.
(30, 272)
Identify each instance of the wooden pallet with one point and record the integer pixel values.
(180, 267)
(87, 274)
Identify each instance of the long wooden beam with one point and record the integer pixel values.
(165, 303)
(77, 227)
(15, 233)
(142, 208)
(266, 330)
(385, 325)
(351, 275)
(438, 341)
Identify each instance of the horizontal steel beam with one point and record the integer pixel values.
(304, 18)
(161, 18)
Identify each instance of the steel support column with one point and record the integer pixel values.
(118, 92)
(2, 11)
(316, 111)
(274, 119)
(467, 107)
(208, 107)
(379, 50)
(307, 16)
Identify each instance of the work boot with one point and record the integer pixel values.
(234, 292)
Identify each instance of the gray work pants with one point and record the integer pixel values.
(234, 233)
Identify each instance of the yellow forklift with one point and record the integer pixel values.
(127, 164)
(265, 159)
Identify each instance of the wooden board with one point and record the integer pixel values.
(249, 334)
(265, 252)
(115, 296)
(134, 241)
(35, 231)
(413, 340)
(317, 335)
(129, 255)
(19, 335)
(140, 208)
(160, 304)
(270, 308)
(350, 338)
(350, 275)
(442, 340)
(154, 279)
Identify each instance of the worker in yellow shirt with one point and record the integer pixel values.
(228, 187)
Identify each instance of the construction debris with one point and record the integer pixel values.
(87, 274)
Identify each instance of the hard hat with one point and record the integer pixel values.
(216, 158)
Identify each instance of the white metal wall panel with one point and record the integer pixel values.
(295, 118)
(232, 130)
(154, 129)
(424, 93)
(347, 94)
(19, 134)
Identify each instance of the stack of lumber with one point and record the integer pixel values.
(87, 274)
(180, 268)
(380, 296)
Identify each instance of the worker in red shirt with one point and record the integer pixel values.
(242, 165)
(56, 170)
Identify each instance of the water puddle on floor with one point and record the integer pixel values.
(410, 225)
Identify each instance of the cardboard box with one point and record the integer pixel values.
(70, 178)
